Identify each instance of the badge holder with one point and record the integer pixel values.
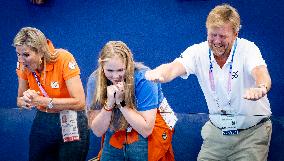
(68, 119)
(229, 125)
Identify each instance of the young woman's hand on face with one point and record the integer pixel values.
(111, 93)
(119, 97)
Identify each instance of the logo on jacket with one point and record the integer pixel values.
(164, 136)
(54, 85)
(72, 65)
(235, 75)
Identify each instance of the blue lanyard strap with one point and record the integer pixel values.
(211, 76)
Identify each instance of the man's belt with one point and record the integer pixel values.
(260, 122)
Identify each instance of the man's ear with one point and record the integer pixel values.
(236, 34)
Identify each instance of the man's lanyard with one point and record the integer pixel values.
(39, 85)
(211, 76)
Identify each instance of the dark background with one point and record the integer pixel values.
(156, 31)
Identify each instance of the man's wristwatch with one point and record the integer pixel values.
(50, 104)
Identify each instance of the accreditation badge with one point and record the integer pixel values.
(69, 125)
(229, 125)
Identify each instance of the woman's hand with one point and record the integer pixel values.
(32, 99)
(28, 98)
(119, 97)
(111, 93)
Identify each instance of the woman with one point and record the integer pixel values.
(125, 109)
(49, 80)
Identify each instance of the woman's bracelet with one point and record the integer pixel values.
(107, 109)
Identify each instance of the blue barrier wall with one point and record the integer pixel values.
(157, 32)
(15, 126)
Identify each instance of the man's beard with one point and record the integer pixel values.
(220, 51)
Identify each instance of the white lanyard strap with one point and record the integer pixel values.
(211, 76)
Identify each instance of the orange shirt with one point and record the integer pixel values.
(64, 68)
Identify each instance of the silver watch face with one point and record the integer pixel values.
(50, 105)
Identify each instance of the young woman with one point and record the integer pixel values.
(49, 81)
(129, 111)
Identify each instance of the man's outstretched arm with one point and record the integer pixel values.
(166, 72)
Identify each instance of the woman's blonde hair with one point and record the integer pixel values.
(120, 50)
(222, 14)
(36, 41)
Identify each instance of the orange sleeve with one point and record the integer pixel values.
(70, 67)
(20, 70)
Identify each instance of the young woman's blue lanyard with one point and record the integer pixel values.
(211, 76)
(39, 85)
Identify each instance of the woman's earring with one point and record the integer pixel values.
(40, 61)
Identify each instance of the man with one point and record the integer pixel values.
(235, 80)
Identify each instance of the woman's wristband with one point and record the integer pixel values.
(107, 109)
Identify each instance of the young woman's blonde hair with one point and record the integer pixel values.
(223, 14)
(36, 41)
(110, 50)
